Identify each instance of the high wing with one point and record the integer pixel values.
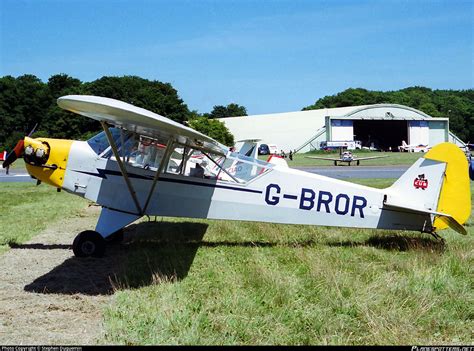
(139, 120)
(325, 158)
(368, 158)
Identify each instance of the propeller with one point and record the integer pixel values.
(17, 150)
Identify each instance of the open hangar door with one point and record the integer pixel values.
(386, 135)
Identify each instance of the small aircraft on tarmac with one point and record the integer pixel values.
(143, 164)
(347, 157)
(413, 148)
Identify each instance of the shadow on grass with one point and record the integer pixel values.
(39, 246)
(396, 243)
(151, 253)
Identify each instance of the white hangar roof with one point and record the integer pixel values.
(291, 129)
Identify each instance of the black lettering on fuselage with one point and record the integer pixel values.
(274, 200)
(325, 202)
(360, 206)
(307, 199)
(342, 204)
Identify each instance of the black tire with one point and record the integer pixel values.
(88, 244)
(116, 237)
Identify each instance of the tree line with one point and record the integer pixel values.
(457, 105)
(26, 101)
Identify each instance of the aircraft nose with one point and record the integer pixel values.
(35, 151)
(46, 159)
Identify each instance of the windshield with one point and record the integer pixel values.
(242, 168)
(99, 142)
(145, 152)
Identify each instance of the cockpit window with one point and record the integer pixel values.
(242, 168)
(236, 168)
(99, 142)
(148, 153)
(126, 144)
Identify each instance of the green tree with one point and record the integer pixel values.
(60, 123)
(23, 104)
(155, 96)
(231, 110)
(212, 128)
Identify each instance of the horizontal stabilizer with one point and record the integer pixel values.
(447, 219)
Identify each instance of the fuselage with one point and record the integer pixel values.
(268, 193)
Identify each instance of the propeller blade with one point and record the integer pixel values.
(14, 154)
(33, 130)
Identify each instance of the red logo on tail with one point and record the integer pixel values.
(420, 182)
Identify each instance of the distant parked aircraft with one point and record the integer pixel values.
(413, 148)
(347, 157)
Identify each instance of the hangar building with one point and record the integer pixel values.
(381, 125)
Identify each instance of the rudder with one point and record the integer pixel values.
(455, 195)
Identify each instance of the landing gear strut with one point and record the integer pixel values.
(88, 244)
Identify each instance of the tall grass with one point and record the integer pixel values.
(223, 282)
(185, 281)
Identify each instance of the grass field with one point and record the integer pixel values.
(393, 159)
(27, 209)
(187, 281)
(256, 283)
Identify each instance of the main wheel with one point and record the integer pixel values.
(88, 244)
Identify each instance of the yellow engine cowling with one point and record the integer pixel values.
(46, 159)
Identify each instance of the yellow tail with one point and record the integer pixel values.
(455, 195)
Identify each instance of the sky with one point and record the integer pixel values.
(268, 55)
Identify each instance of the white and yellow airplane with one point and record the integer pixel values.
(413, 148)
(145, 164)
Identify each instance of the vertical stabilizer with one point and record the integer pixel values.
(437, 183)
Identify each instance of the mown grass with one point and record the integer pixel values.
(190, 281)
(222, 282)
(393, 159)
(27, 209)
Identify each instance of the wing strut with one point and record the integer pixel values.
(164, 161)
(221, 168)
(122, 167)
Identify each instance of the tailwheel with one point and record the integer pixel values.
(88, 244)
(437, 237)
